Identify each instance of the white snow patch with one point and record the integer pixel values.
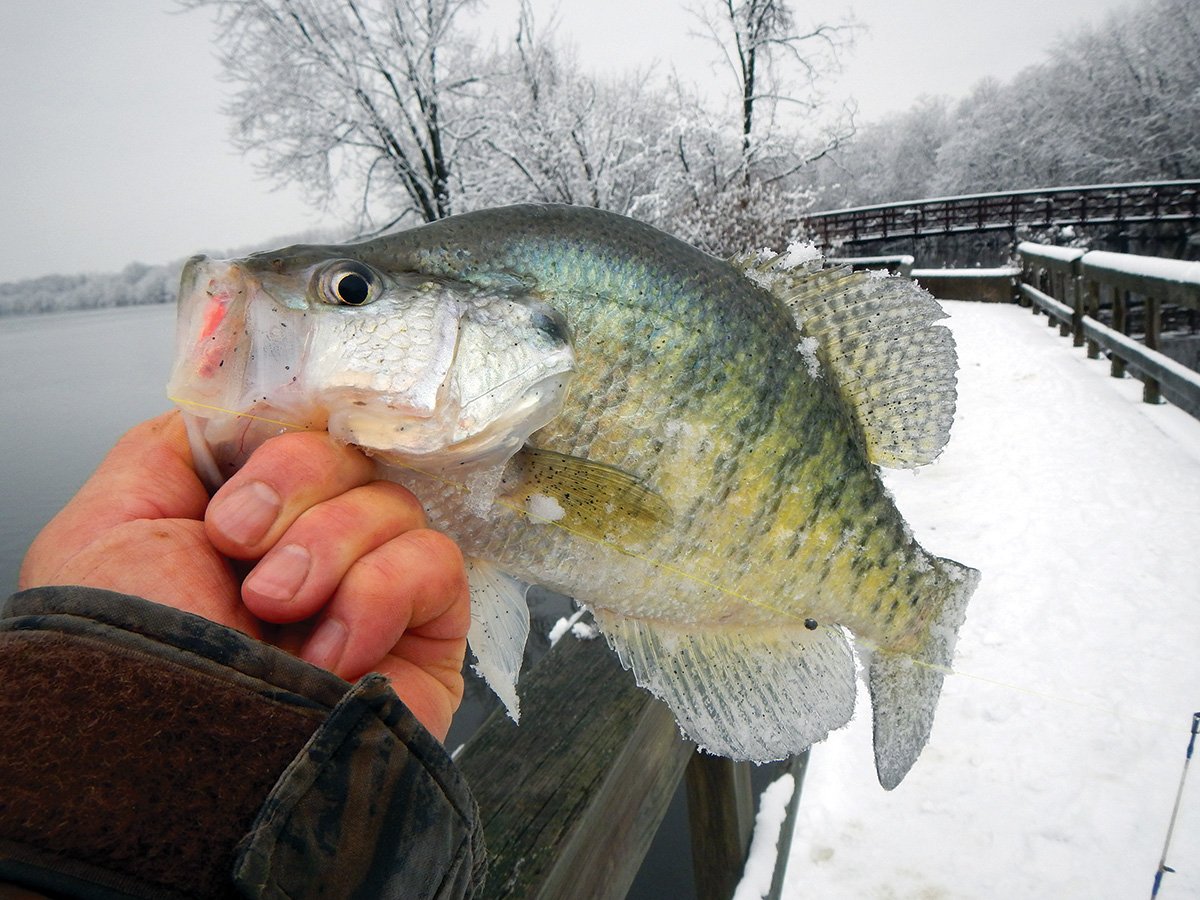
(808, 352)
(798, 253)
(1179, 271)
(585, 631)
(760, 861)
(542, 508)
(582, 630)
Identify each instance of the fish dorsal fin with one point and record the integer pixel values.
(875, 333)
(595, 500)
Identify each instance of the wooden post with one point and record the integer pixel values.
(1121, 324)
(1151, 391)
(1092, 293)
(1064, 281)
(798, 766)
(572, 797)
(721, 817)
(1077, 301)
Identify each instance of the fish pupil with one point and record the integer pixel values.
(352, 289)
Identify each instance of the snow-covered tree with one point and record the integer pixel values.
(773, 62)
(558, 135)
(351, 97)
(1115, 102)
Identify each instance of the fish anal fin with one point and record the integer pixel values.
(895, 369)
(593, 499)
(499, 629)
(905, 686)
(758, 694)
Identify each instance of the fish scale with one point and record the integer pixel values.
(710, 488)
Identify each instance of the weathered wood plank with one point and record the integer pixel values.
(721, 816)
(571, 798)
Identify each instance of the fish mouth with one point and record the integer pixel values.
(446, 438)
(210, 326)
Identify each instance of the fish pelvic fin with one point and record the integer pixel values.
(499, 630)
(876, 338)
(761, 693)
(905, 686)
(598, 501)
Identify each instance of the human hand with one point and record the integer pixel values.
(301, 548)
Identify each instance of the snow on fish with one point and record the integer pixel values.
(587, 403)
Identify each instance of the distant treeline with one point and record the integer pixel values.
(1112, 103)
(135, 285)
(1116, 102)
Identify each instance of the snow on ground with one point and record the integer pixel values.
(1058, 746)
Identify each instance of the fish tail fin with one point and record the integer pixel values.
(905, 685)
(755, 693)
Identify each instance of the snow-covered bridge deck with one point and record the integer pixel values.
(1058, 747)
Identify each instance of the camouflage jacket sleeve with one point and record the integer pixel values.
(146, 752)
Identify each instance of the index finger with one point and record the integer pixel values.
(283, 478)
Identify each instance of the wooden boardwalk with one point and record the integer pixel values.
(1105, 204)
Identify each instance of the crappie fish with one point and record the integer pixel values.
(686, 445)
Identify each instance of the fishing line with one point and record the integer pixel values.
(863, 642)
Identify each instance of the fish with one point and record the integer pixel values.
(688, 446)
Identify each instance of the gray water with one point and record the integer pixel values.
(70, 385)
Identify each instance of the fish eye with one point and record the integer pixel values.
(349, 283)
(550, 323)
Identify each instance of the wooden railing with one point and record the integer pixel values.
(1160, 201)
(572, 797)
(1078, 290)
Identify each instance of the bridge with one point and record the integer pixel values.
(1103, 204)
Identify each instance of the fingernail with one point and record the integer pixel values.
(324, 648)
(248, 513)
(280, 575)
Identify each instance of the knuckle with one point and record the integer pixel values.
(402, 502)
(303, 458)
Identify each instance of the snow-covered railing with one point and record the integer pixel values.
(1160, 201)
(572, 797)
(900, 264)
(993, 285)
(1073, 287)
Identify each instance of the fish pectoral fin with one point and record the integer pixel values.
(905, 687)
(593, 499)
(760, 693)
(499, 629)
(896, 369)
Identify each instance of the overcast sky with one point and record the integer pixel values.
(115, 149)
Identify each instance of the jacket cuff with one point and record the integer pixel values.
(148, 752)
